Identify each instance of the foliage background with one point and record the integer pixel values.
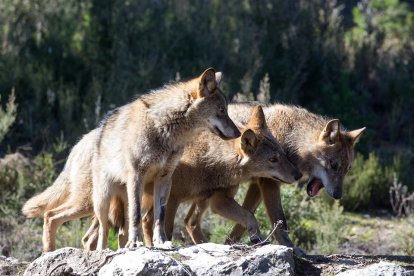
(69, 62)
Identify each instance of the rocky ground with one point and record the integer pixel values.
(205, 259)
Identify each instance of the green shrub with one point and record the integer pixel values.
(7, 115)
(369, 181)
(405, 238)
(315, 224)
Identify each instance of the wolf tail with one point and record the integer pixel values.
(48, 199)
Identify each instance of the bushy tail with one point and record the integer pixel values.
(48, 199)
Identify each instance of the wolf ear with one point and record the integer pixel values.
(208, 83)
(355, 135)
(257, 120)
(330, 134)
(219, 75)
(248, 141)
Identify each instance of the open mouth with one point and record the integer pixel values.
(314, 186)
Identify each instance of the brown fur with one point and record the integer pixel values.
(210, 168)
(145, 137)
(320, 148)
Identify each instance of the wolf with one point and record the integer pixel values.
(136, 145)
(321, 148)
(212, 169)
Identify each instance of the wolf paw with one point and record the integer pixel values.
(134, 244)
(256, 239)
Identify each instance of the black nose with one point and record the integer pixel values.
(298, 175)
(337, 195)
(237, 133)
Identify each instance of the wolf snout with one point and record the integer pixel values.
(337, 194)
(236, 133)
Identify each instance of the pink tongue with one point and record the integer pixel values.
(316, 186)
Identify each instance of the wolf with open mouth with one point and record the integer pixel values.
(319, 147)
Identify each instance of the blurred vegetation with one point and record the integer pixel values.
(7, 115)
(69, 62)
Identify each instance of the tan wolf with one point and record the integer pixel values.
(319, 147)
(137, 144)
(212, 168)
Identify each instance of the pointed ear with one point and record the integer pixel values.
(330, 134)
(355, 135)
(248, 141)
(207, 83)
(219, 75)
(257, 120)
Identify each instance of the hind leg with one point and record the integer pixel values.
(193, 221)
(170, 213)
(103, 189)
(90, 239)
(56, 217)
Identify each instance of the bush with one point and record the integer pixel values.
(369, 182)
(315, 224)
(7, 115)
(405, 238)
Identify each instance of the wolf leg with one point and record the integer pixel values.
(123, 229)
(147, 217)
(251, 202)
(270, 191)
(193, 221)
(90, 239)
(56, 217)
(161, 193)
(170, 213)
(134, 192)
(223, 203)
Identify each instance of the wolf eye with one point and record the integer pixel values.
(274, 159)
(222, 109)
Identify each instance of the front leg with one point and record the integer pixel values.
(147, 217)
(134, 191)
(161, 193)
(224, 204)
(270, 191)
(251, 202)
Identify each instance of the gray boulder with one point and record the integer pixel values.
(203, 259)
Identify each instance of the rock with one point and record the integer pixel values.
(381, 268)
(203, 259)
(11, 266)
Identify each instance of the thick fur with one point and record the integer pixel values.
(319, 147)
(141, 144)
(212, 168)
(166, 119)
(70, 195)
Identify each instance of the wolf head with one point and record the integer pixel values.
(263, 156)
(332, 157)
(211, 105)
